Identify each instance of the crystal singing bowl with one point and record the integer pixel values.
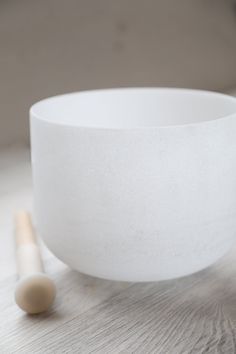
(135, 184)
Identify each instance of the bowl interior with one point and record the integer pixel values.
(134, 108)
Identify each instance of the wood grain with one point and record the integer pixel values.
(195, 314)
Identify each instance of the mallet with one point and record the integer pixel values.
(35, 290)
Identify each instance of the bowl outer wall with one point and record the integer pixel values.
(136, 204)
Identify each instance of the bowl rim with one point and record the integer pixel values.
(34, 115)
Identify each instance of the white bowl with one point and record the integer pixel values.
(136, 184)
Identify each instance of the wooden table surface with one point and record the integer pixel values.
(195, 314)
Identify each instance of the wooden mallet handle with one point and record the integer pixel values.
(35, 290)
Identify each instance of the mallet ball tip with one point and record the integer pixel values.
(35, 293)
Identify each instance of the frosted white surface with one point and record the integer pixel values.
(136, 204)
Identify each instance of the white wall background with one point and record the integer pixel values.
(49, 47)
